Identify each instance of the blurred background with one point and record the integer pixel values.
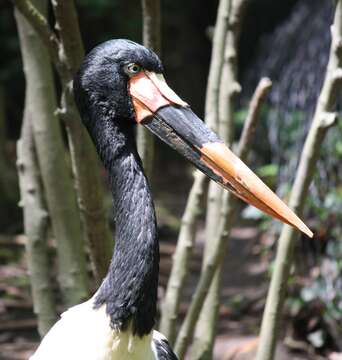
(287, 41)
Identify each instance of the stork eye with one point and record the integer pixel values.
(133, 68)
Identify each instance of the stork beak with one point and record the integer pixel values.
(160, 110)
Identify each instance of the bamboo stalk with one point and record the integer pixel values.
(58, 185)
(324, 117)
(35, 224)
(152, 40)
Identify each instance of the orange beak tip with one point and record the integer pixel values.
(247, 186)
(307, 231)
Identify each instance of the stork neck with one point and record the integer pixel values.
(129, 290)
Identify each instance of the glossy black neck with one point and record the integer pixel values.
(129, 290)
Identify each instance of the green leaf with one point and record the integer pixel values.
(270, 170)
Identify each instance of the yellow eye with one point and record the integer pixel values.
(133, 68)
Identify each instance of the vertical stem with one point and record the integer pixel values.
(215, 71)
(71, 45)
(186, 238)
(35, 224)
(57, 182)
(85, 163)
(225, 222)
(206, 328)
(151, 39)
(202, 288)
(152, 25)
(229, 88)
(323, 118)
(181, 258)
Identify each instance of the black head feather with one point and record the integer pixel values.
(101, 83)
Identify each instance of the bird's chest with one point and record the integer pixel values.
(85, 333)
(104, 343)
(124, 346)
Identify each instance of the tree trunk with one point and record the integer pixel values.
(152, 40)
(86, 168)
(66, 53)
(56, 178)
(324, 117)
(35, 224)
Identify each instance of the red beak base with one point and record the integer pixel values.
(149, 93)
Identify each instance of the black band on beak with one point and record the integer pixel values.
(176, 126)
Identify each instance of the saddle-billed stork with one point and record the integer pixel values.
(121, 83)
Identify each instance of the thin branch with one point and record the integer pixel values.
(324, 117)
(184, 244)
(181, 258)
(57, 181)
(202, 289)
(85, 163)
(39, 23)
(205, 333)
(252, 118)
(214, 260)
(152, 39)
(215, 71)
(71, 47)
(152, 25)
(248, 132)
(36, 225)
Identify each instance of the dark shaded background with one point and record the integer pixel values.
(186, 49)
(185, 45)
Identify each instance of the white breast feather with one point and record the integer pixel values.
(83, 333)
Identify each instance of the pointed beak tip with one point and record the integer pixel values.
(307, 231)
(299, 225)
(248, 186)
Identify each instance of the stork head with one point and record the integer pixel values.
(125, 81)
